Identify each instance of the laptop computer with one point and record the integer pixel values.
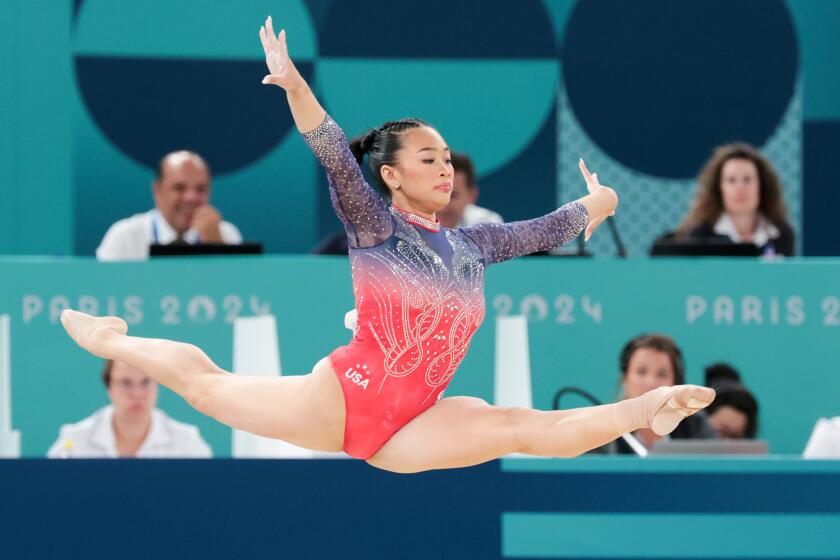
(204, 249)
(710, 447)
(687, 247)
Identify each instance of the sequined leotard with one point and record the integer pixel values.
(419, 292)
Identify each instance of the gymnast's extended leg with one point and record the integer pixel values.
(307, 410)
(464, 431)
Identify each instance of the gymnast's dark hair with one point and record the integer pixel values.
(381, 146)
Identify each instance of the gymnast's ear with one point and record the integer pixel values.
(391, 176)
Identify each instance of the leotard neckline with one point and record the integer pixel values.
(417, 220)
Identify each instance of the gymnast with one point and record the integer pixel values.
(419, 291)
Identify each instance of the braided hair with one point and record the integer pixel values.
(381, 146)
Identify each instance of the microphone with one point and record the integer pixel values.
(622, 251)
(555, 404)
(634, 443)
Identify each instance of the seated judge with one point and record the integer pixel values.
(131, 425)
(182, 213)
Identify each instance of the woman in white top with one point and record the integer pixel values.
(130, 426)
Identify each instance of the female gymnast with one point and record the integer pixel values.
(419, 296)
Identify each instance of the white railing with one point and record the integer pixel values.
(9, 439)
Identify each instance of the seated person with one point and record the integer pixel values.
(182, 213)
(130, 426)
(647, 362)
(739, 198)
(462, 210)
(734, 412)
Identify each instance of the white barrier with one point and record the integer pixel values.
(9, 439)
(513, 363)
(256, 352)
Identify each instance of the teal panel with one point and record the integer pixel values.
(816, 23)
(189, 28)
(552, 535)
(480, 107)
(35, 188)
(582, 313)
(9, 125)
(195, 301)
(659, 464)
(779, 324)
(559, 11)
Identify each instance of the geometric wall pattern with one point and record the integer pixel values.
(652, 206)
(643, 91)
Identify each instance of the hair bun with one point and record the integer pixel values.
(366, 143)
(362, 145)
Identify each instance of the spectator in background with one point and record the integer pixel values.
(462, 210)
(647, 362)
(182, 213)
(130, 426)
(734, 412)
(739, 198)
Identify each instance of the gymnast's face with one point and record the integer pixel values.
(184, 187)
(648, 369)
(131, 391)
(423, 171)
(462, 194)
(740, 186)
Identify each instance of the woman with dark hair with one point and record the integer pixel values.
(419, 295)
(734, 414)
(647, 362)
(739, 198)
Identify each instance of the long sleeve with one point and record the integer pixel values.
(361, 209)
(501, 242)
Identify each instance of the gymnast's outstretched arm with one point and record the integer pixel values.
(501, 242)
(361, 209)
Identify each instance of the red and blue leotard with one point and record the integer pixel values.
(419, 292)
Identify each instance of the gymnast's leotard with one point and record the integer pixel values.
(419, 292)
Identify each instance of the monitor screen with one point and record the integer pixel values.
(687, 247)
(710, 447)
(204, 249)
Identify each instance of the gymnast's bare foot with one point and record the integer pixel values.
(662, 409)
(92, 333)
(680, 402)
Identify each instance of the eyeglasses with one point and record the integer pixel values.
(128, 384)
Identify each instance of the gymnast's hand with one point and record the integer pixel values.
(601, 201)
(282, 70)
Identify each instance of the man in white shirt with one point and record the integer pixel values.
(182, 213)
(130, 426)
(462, 210)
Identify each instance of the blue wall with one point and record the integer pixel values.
(598, 508)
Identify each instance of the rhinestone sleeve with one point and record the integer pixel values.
(360, 208)
(501, 242)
